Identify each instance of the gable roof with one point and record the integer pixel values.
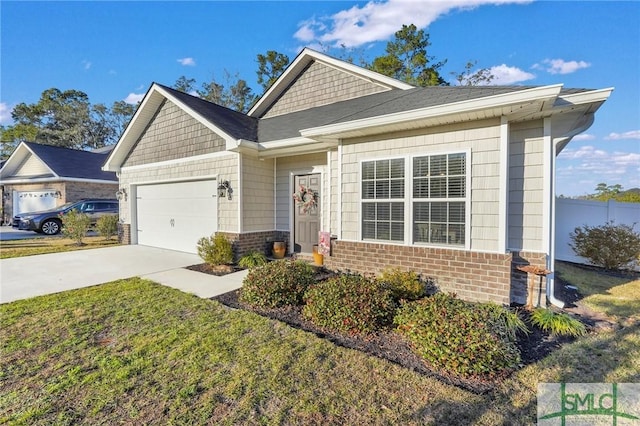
(306, 57)
(399, 107)
(62, 163)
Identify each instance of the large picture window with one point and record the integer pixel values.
(383, 200)
(435, 206)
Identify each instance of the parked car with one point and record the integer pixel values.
(48, 221)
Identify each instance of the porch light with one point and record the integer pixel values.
(224, 189)
(121, 194)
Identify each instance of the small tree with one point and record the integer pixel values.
(75, 225)
(609, 246)
(107, 226)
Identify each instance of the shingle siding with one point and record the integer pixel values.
(319, 85)
(177, 133)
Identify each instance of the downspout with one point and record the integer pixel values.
(553, 145)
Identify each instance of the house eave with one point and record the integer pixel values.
(526, 101)
(54, 179)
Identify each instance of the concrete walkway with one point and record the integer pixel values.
(30, 276)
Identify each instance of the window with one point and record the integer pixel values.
(439, 195)
(434, 209)
(383, 200)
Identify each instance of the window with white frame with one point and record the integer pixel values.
(439, 199)
(435, 208)
(383, 199)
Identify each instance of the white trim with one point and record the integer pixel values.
(178, 161)
(307, 56)
(408, 199)
(503, 194)
(55, 180)
(339, 206)
(327, 211)
(495, 101)
(176, 180)
(547, 175)
(275, 193)
(240, 224)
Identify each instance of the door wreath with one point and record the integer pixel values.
(306, 199)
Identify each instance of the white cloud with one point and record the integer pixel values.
(503, 75)
(5, 113)
(583, 137)
(560, 66)
(378, 20)
(187, 62)
(134, 98)
(584, 152)
(86, 64)
(633, 134)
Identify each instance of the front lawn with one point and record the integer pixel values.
(42, 245)
(135, 352)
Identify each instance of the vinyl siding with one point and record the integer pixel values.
(224, 166)
(173, 134)
(318, 85)
(32, 167)
(526, 186)
(257, 194)
(481, 137)
(311, 163)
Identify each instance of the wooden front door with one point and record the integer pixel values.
(306, 220)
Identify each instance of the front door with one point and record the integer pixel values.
(306, 212)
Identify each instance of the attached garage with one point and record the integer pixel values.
(176, 215)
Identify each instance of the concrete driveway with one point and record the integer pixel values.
(30, 276)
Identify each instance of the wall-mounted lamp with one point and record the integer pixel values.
(58, 194)
(6, 196)
(224, 189)
(121, 194)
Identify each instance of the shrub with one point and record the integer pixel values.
(461, 337)
(275, 284)
(609, 246)
(215, 250)
(75, 225)
(557, 323)
(404, 285)
(349, 303)
(107, 226)
(252, 259)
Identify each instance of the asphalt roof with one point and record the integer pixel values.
(241, 126)
(73, 163)
(234, 123)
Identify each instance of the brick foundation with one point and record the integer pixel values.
(258, 241)
(472, 276)
(124, 233)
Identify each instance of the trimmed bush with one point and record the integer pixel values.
(275, 284)
(609, 246)
(75, 225)
(349, 303)
(215, 250)
(252, 259)
(107, 226)
(461, 337)
(557, 323)
(404, 285)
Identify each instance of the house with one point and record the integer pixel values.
(453, 182)
(39, 177)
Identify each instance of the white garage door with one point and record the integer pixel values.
(33, 201)
(176, 215)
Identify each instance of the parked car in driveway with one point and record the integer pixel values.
(48, 221)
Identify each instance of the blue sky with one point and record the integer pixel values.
(114, 51)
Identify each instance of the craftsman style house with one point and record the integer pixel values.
(453, 182)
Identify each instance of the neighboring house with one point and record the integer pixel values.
(39, 177)
(453, 182)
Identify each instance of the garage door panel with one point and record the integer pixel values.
(176, 215)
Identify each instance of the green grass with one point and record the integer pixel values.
(41, 245)
(615, 296)
(135, 352)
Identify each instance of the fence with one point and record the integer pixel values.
(571, 214)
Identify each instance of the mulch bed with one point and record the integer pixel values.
(218, 271)
(391, 346)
